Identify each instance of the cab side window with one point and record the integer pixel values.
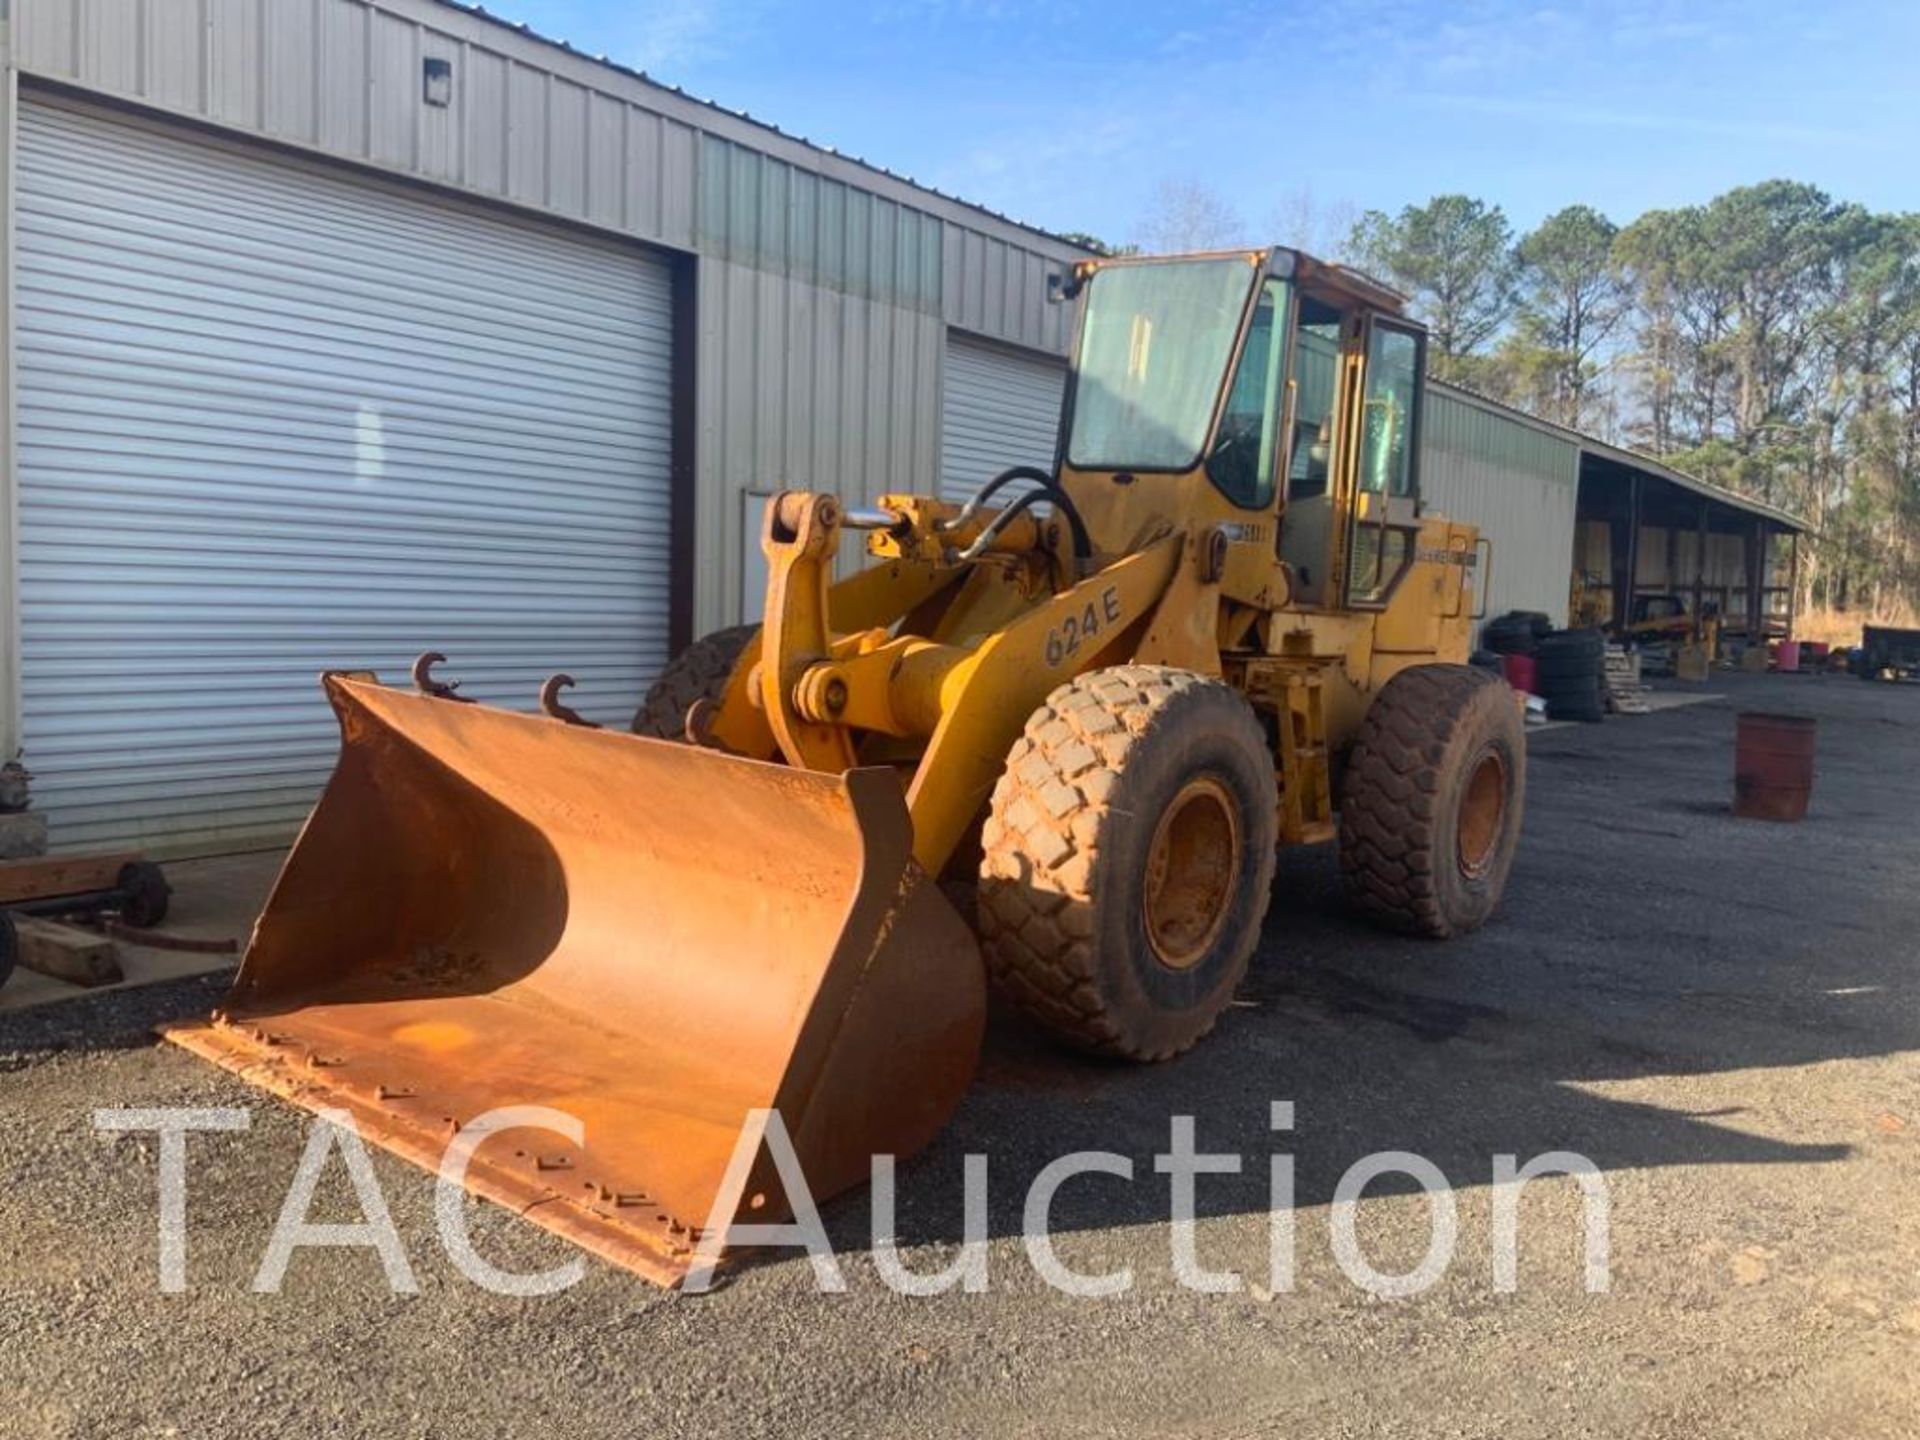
(1316, 369)
(1306, 529)
(1244, 461)
(1392, 400)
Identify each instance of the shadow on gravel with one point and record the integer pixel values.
(1646, 932)
(111, 1020)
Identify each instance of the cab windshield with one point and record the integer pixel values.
(1154, 346)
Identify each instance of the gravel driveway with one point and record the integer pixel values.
(1724, 1016)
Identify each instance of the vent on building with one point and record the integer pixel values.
(436, 82)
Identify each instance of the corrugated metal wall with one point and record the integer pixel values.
(826, 285)
(808, 388)
(820, 347)
(998, 289)
(344, 77)
(1519, 484)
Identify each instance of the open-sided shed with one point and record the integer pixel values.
(1646, 530)
(1582, 529)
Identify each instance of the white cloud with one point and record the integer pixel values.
(665, 35)
(1560, 111)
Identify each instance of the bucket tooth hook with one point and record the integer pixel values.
(551, 704)
(424, 682)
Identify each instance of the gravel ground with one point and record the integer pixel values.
(1723, 1015)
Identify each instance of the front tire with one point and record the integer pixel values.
(1128, 856)
(700, 672)
(1435, 787)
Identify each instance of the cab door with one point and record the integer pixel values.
(1383, 394)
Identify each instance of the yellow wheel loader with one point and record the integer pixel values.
(1105, 692)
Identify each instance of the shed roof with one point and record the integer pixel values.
(1632, 459)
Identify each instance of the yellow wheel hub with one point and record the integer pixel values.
(1483, 811)
(1192, 868)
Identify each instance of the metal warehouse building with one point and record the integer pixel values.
(341, 328)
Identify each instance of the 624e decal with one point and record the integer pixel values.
(1065, 639)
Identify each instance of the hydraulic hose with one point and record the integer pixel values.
(1046, 489)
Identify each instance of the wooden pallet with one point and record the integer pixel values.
(1626, 692)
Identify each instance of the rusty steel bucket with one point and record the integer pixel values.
(490, 909)
(1772, 765)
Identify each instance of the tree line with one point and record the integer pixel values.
(1767, 340)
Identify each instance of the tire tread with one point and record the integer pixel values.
(1041, 841)
(1394, 780)
(700, 672)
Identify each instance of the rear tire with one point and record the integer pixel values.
(1573, 668)
(9, 945)
(700, 672)
(1430, 814)
(1566, 645)
(1589, 707)
(1128, 856)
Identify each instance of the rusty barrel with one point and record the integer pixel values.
(1521, 672)
(1773, 765)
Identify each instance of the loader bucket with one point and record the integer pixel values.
(491, 909)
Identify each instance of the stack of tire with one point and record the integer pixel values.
(1518, 632)
(1570, 670)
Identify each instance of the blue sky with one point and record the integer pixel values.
(1070, 113)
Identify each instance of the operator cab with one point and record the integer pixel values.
(1263, 383)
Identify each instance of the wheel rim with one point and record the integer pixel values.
(1191, 872)
(1483, 813)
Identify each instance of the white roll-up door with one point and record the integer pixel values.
(277, 418)
(1000, 408)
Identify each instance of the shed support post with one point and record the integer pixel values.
(1625, 607)
(1619, 541)
(1700, 565)
(1793, 586)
